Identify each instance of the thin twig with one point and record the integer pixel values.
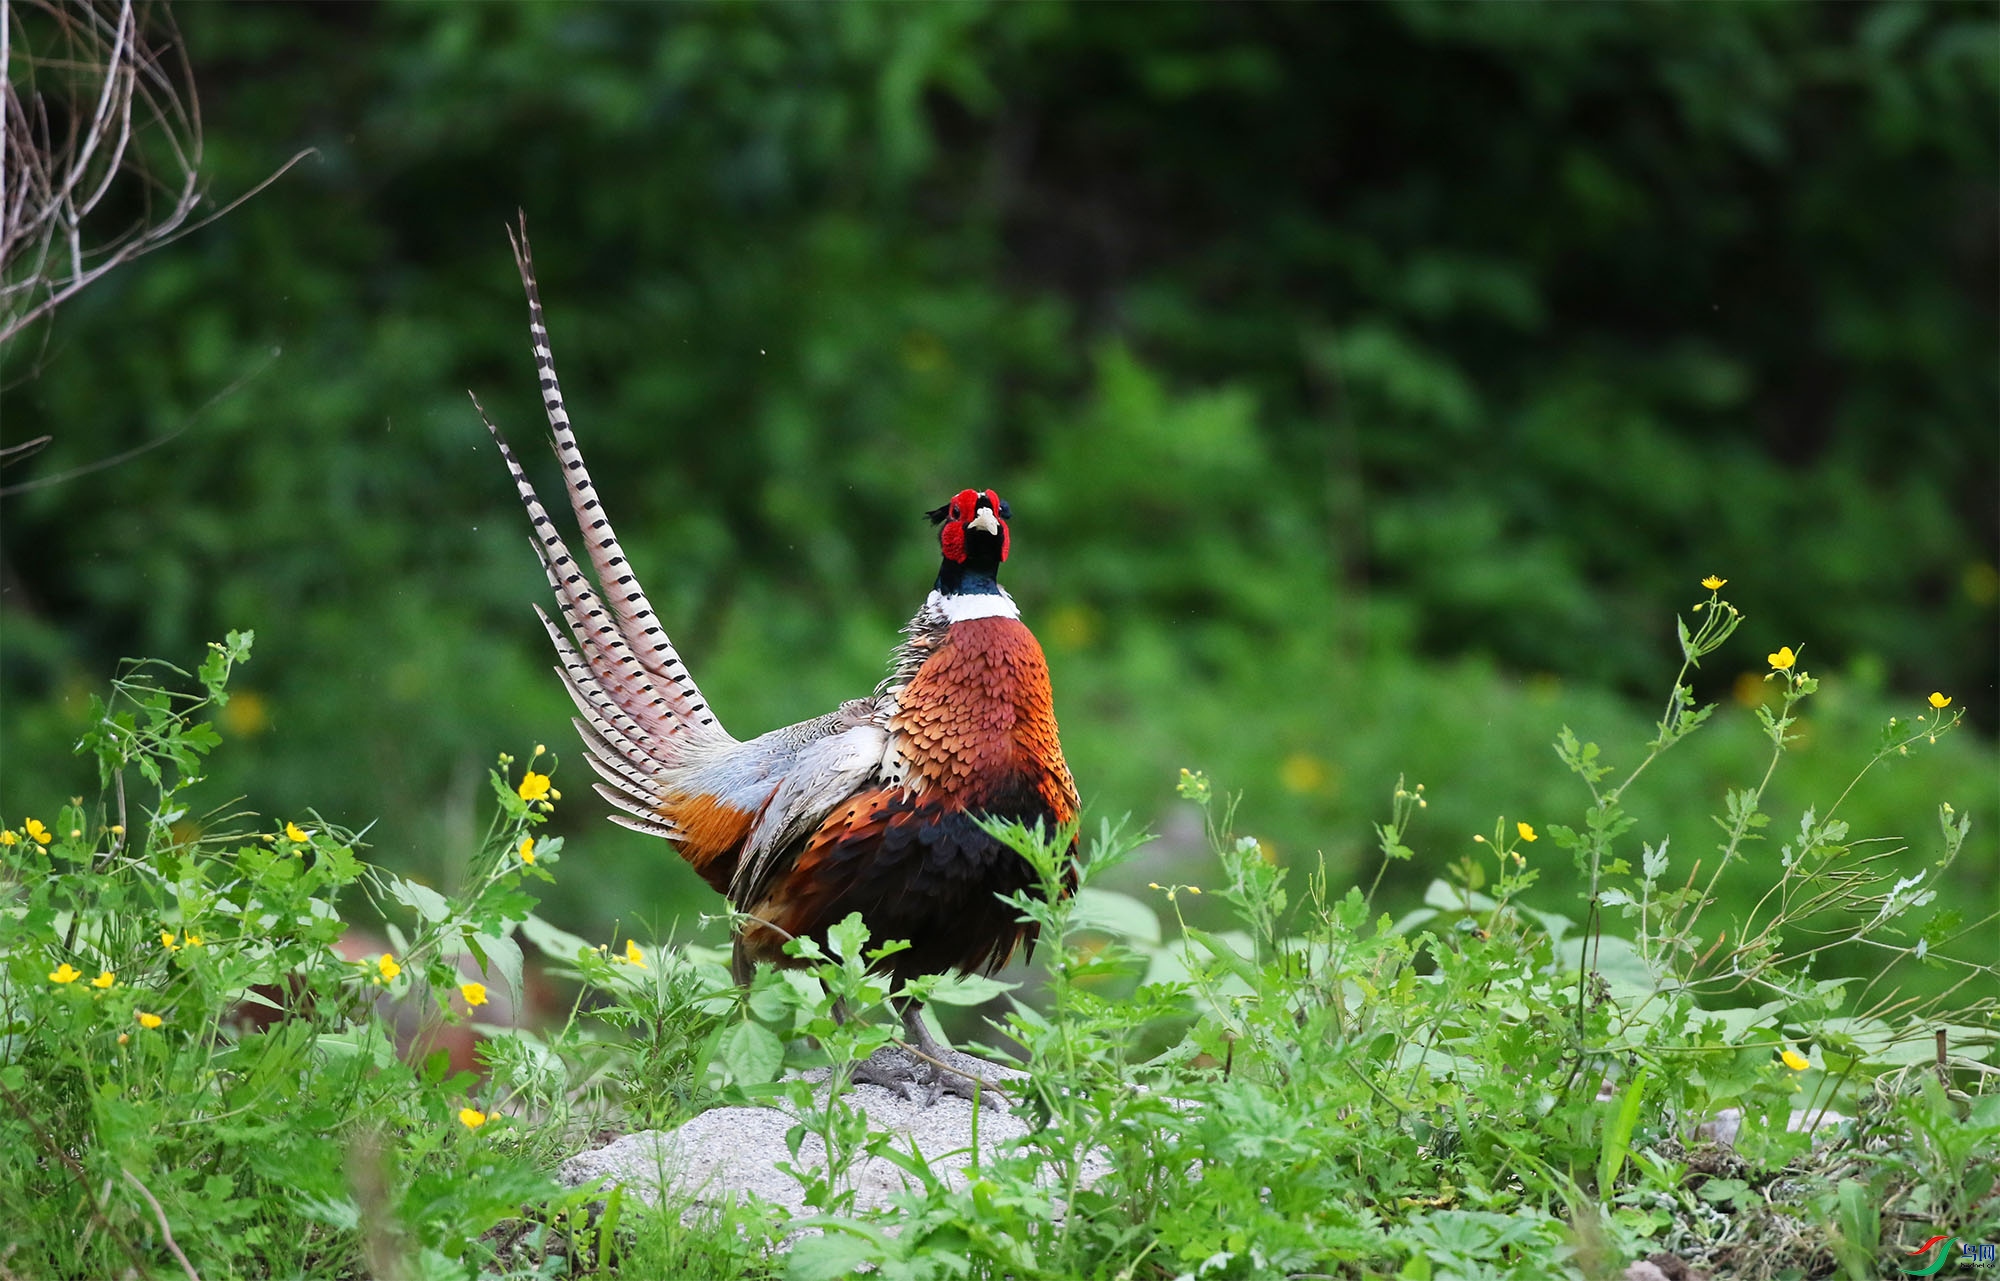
(166, 1233)
(56, 1150)
(43, 482)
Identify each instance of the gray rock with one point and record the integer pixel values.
(726, 1153)
(1725, 1125)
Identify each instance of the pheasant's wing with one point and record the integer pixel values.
(826, 763)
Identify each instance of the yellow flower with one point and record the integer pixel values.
(387, 965)
(633, 956)
(1795, 1061)
(474, 994)
(104, 979)
(194, 939)
(1713, 583)
(147, 1021)
(1527, 833)
(528, 850)
(471, 1118)
(65, 973)
(8, 838)
(293, 832)
(1782, 660)
(35, 829)
(534, 786)
(1940, 701)
(167, 941)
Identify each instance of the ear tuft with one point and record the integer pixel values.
(936, 515)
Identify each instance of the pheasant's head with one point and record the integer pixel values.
(972, 534)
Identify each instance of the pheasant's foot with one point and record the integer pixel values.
(919, 1079)
(965, 1085)
(936, 1055)
(894, 1071)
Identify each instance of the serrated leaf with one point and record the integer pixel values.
(751, 1053)
(847, 937)
(429, 904)
(829, 1258)
(1653, 861)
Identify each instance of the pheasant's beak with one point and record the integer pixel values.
(985, 521)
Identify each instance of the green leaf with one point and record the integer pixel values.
(500, 953)
(1617, 1141)
(559, 945)
(1114, 913)
(430, 904)
(751, 1053)
(969, 989)
(829, 1258)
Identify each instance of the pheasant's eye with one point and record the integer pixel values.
(1005, 510)
(954, 512)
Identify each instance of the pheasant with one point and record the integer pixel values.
(871, 808)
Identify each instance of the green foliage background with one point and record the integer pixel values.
(1371, 384)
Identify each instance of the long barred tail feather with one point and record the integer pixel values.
(640, 628)
(603, 676)
(641, 714)
(626, 747)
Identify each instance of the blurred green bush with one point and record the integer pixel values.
(1360, 376)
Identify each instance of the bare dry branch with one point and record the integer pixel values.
(100, 147)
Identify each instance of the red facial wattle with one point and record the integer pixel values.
(962, 511)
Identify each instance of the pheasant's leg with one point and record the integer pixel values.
(942, 1079)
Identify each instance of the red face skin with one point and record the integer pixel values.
(964, 508)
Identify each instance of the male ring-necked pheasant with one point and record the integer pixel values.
(869, 808)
